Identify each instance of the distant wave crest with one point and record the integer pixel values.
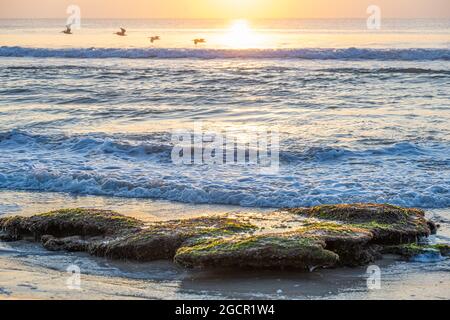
(150, 145)
(416, 54)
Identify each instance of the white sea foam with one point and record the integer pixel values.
(114, 166)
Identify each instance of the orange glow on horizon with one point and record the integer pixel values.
(224, 9)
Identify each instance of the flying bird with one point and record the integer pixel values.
(154, 38)
(121, 32)
(68, 30)
(197, 41)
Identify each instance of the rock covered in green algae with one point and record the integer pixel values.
(71, 244)
(335, 233)
(352, 244)
(388, 224)
(162, 240)
(321, 236)
(411, 250)
(109, 234)
(261, 251)
(69, 222)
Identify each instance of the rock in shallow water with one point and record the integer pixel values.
(324, 236)
(353, 245)
(70, 222)
(71, 244)
(420, 252)
(262, 251)
(162, 240)
(388, 224)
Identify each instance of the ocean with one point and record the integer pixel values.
(360, 122)
(87, 120)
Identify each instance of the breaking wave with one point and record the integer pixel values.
(140, 167)
(413, 54)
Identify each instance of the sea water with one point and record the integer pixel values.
(363, 115)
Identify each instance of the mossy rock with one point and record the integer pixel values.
(272, 251)
(162, 240)
(349, 242)
(69, 222)
(13, 228)
(335, 232)
(389, 224)
(70, 244)
(411, 250)
(331, 236)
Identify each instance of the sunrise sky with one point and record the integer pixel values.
(191, 9)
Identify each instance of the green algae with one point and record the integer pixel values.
(162, 240)
(70, 222)
(331, 228)
(330, 236)
(389, 224)
(413, 249)
(261, 251)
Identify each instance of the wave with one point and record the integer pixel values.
(387, 71)
(136, 145)
(412, 54)
(95, 183)
(82, 144)
(139, 166)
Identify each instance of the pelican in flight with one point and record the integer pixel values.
(68, 30)
(121, 32)
(154, 38)
(197, 41)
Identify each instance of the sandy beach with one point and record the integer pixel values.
(28, 271)
(24, 280)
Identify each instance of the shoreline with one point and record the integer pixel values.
(125, 280)
(25, 281)
(28, 203)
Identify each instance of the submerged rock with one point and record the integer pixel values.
(324, 236)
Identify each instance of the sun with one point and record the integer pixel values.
(240, 35)
(240, 27)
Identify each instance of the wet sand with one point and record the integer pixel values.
(21, 280)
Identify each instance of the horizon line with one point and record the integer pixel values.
(236, 18)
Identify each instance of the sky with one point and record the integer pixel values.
(224, 9)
